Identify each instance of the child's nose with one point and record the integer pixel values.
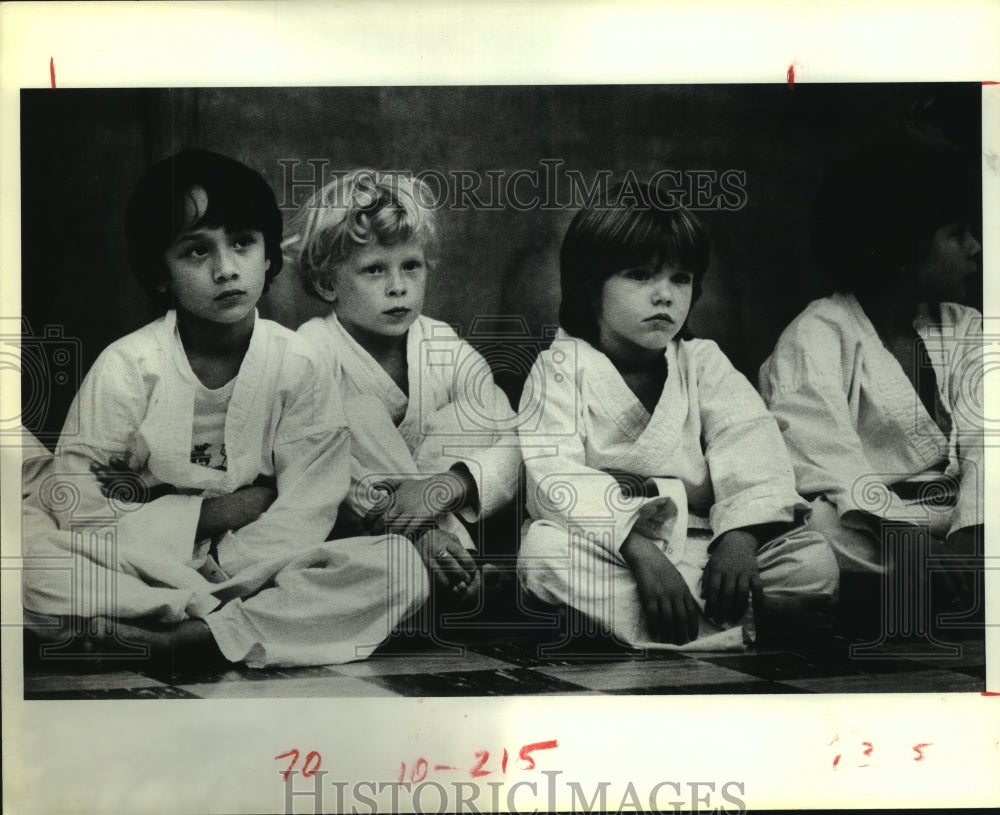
(663, 293)
(973, 247)
(225, 265)
(395, 282)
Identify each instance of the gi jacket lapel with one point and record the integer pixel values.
(362, 371)
(169, 421)
(251, 406)
(423, 400)
(650, 434)
(895, 390)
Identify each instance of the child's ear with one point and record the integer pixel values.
(324, 288)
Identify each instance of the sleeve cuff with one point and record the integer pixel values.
(758, 506)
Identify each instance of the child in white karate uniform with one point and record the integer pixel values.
(221, 457)
(878, 387)
(432, 432)
(661, 493)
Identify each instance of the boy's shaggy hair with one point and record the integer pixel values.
(238, 198)
(361, 208)
(627, 229)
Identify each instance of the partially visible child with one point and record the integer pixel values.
(431, 430)
(661, 493)
(215, 443)
(878, 386)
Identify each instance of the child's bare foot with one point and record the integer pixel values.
(792, 620)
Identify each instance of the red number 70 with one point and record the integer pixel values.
(309, 767)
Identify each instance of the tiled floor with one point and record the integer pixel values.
(497, 664)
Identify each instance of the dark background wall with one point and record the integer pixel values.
(83, 150)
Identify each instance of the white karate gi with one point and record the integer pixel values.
(287, 597)
(454, 413)
(854, 424)
(710, 434)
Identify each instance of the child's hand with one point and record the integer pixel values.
(116, 478)
(414, 504)
(448, 562)
(670, 610)
(730, 575)
(233, 511)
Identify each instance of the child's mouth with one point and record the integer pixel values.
(396, 312)
(660, 318)
(226, 296)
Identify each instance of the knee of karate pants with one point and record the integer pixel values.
(543, 562)
(559, 567)
(800, 562)
(569, 570)
(47, 590)
(368, 570)
(409, 580)
(856, 551)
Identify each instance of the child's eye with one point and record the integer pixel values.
(682, 278)
(372, 269)
(242, 240)
(636, 274)
(194, 251)
(412, 266)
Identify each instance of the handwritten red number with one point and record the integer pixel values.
(419, 769)
(477, 771)
(530, 748)
(309, 768)
(295, 757)
(317, 761)
(503, 761)
(870, 748)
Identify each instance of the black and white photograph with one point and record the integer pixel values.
(696, 297)
(542, 396)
